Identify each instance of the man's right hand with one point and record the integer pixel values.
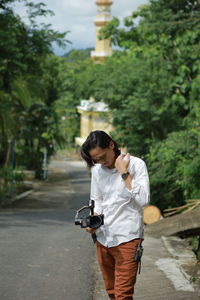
(90, 230)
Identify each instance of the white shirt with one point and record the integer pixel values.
(122, 208)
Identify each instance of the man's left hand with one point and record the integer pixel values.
(121, 164)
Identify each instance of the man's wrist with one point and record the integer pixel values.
(125, 175)
(123, 171)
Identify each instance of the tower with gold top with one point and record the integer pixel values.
(103, 47)
(94, 115)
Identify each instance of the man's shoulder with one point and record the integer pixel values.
(136, 164)
(96, 169)
(136, 160)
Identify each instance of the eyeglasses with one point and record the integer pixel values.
(102, 158)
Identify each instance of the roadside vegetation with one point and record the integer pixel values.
(35, 99)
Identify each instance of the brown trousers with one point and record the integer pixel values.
(119, 270)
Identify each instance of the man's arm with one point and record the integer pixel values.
(122, 166)
(137, 186)
(95, 194)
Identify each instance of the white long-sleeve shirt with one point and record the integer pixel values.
(122, 208)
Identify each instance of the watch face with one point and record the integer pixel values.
(125, 175)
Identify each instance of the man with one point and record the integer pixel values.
(120, 189)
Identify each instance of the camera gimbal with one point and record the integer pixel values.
(92, 221)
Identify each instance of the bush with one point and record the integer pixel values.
(9, 183)
(174, 169)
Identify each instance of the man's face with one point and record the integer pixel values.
(105, 157)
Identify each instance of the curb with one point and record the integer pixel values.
(9, 202)
(33, 185)
(186, 260)
(22, 195)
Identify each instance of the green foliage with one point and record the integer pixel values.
(9, 181)
(22, 46)
(38, 130)
(29, 87)
(152, 88)
(77, 55)
(174, 166)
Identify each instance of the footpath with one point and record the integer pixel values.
(161, 276)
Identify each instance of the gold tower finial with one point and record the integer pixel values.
(106, 2)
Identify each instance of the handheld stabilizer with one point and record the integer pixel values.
(92, 220)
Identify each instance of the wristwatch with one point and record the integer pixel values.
(125, 175)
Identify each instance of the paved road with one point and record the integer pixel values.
(42, 254)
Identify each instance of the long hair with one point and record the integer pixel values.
(97, 138)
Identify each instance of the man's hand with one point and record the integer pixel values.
(90, 230)
(121, 164)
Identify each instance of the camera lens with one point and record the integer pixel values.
(95, 221)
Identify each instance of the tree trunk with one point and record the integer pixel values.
(9, 152)
(8, 155)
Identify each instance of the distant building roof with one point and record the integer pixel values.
(88, 105)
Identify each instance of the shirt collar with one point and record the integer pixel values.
(114, 170)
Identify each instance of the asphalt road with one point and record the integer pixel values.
(43, 255)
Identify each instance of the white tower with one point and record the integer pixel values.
(103, 47)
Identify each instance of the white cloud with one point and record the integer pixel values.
(77, 16)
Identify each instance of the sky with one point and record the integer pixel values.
(77, 16)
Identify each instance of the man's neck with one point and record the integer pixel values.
(112, 166)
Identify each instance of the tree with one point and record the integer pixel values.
(77, 55)
(24, 49)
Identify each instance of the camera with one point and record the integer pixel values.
(92, 221)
